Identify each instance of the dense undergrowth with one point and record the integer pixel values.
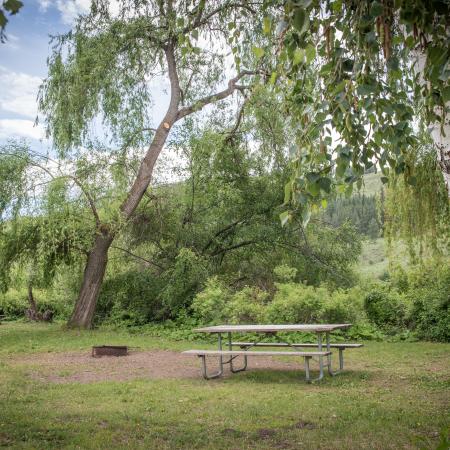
(406, 305)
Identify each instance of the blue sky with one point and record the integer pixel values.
(23, 65)
(23, 62)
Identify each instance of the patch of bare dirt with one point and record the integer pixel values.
(81, 367)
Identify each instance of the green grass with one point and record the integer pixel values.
(392, 395)
(373, 261)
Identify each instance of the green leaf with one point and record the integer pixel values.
(310, 52)
(340, 170)
(446, 94)
(306, 215)
(285, 217)
(258, 52)
(267, 25)
(299, 56)
(324, 203)
(3, 20)
(365, 89)
(314, 189)
(287, 192)
(393, 63)
(300, 20)
(312, 177)
(325, 184)
(376, 9)
(13, 6)
(273, 78)
(194, 34)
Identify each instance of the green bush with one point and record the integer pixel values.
(385, 307)
(429, 295)
(296, 303)
(209, 305)
(343, 306)
(182, 281)
(13, 303)
(247, 306)
(131, 297)
(284, 273)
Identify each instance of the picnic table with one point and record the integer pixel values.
(322, 349)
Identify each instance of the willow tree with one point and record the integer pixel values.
(101, 72)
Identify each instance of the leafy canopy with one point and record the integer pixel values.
(357, 77)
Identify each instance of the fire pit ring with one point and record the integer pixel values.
(109, 350)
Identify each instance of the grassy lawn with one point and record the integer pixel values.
(392, 396)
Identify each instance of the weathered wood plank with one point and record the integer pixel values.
(272, 328)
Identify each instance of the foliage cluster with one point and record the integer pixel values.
(416, 301)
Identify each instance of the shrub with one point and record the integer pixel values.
(284, 273)
(247, 306)
(209, 305)
(182, 282)
(296, 303)
(385, 307)
(344, 306)
(13, 303)
(429, 295)
(131, 297)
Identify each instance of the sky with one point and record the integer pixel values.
(23, 65)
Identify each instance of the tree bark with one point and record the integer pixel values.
(94, 272)
(32, 311)
(440, 133)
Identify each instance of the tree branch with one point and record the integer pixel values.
(233, 247)
(71, 177)
(200, 104)
(138, 257)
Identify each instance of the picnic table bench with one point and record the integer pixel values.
(322, 349)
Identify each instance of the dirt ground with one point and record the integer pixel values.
(81, 367)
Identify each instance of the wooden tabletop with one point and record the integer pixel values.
(272, 328)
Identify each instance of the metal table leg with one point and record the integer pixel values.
(307, 359)
(232, 369)
(341, 357)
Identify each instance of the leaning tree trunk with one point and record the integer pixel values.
(94, 272)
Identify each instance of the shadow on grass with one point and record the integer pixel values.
(297, 377)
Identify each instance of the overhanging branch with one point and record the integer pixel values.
(200, 104)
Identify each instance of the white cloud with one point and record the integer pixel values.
(18, 92)
(16, 128)
(70, 9)
(44, 4)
